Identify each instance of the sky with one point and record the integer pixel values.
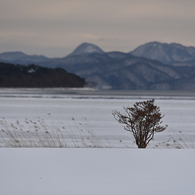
(56, 28)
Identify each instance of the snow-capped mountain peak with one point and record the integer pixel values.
(164, 52)
(86, 48)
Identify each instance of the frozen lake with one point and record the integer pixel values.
(80, 112)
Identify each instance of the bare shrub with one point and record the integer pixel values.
(142, 120)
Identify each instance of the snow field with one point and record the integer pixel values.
(87, 171)
(80, 116)
(97, 171)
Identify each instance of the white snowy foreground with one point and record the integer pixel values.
(97, 171)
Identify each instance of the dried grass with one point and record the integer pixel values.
(33, 134)
(178, 141)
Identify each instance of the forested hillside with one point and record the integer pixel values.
(36, 76)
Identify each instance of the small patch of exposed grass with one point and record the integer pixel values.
(178, 141)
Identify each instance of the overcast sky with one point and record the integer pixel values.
(54, 28)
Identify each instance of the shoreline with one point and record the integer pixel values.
(90, 93)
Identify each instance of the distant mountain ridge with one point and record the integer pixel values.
(172, 54)
(117, 70)
(22, 58)
(154, 65)
(166, 53)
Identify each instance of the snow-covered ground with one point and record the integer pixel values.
(97, 171)
(94, 114)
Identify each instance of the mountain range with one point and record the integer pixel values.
(154, 65)
(173, 54)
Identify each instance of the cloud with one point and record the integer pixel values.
(88, 36)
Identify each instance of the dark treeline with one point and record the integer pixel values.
(34, 76)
